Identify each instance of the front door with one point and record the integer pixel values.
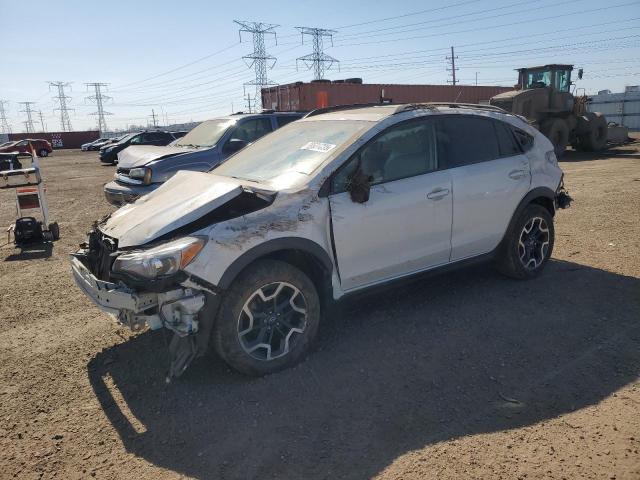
(405, 225)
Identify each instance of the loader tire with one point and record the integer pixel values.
(594, 138)
(557, 131)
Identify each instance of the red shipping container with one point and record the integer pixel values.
(308, 96)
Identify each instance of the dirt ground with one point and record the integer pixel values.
(463, 375)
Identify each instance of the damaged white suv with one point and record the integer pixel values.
(250, 254)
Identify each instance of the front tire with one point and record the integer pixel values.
(529, 244)
(268, 318)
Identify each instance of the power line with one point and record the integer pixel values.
(98, 98)
(4, 124)
(65, 122)
(431, 10)
(318, 60)
(29, 122)
(259, 58)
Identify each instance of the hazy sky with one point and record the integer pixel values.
(184, 59)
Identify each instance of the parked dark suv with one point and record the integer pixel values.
(143, 169)
(109, 153)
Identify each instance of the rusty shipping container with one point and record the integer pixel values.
(308, 96)
(61, 140)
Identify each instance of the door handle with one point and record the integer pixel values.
(438, 193)
(517, 174)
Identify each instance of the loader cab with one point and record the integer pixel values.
(556, 77)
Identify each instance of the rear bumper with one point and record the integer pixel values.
(118, 194)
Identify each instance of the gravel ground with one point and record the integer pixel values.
(463, 375)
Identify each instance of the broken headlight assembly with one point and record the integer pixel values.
(141, 173)
(160, 261)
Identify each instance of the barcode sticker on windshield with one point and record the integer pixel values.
(318, 147)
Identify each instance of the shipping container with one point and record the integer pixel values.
(301, 96)
(60, 140)
(621, 108)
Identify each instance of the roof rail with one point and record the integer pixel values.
(338, 108)
(435, 105)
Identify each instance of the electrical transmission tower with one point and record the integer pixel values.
(319, 60)
(44, 129)
(453, 68)
(259, 59)
(65, 122)
(98, 98)
(29, 123)
(4, 125)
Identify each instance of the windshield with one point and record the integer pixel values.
(297, 149)
(538, 79)
(206, 134)
(126, 137)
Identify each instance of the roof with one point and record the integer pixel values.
(548, 67)
(375, 113)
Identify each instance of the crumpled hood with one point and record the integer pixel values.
(186, 197)
(140, 155)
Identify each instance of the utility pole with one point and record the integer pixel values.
(249, 103)
(65, 122)
(153, 116)
(319, 60)
(98, 98)
(453, 68)
(476, 79)
(4, 125)
(29, 123)
(258, 59)
(42, 121)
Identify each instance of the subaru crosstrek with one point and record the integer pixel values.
(250, 254)
(142, 169)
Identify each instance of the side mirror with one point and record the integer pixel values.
(234, 145)
(359, 187)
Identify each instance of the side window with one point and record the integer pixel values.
(401, 151)
(136, 140)
(524, 139)
(282, 120)
(506, 141)
(465, 140)
(252, 129)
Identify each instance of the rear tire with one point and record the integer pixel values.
(268, 318)
(528, 245)
(557, 131)
(594, 139)
(54, 228)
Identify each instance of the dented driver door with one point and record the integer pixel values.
(405, 225)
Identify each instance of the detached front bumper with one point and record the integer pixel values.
(118, 194)
(176, 309)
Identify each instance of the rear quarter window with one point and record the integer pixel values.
(524, 139)
(507, 142)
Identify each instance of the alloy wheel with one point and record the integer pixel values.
(271, 320)
(533, 244)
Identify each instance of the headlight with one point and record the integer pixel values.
(143, 174)
(160, 261)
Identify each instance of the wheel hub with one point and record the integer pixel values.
(271, 320)
(533, 245)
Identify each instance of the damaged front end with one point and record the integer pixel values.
(119, 283)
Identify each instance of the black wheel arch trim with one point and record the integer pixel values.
(277, 244)
(537, 192)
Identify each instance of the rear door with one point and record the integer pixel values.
(490, 176)
(405, 225)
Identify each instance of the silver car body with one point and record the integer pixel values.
(407, 226)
